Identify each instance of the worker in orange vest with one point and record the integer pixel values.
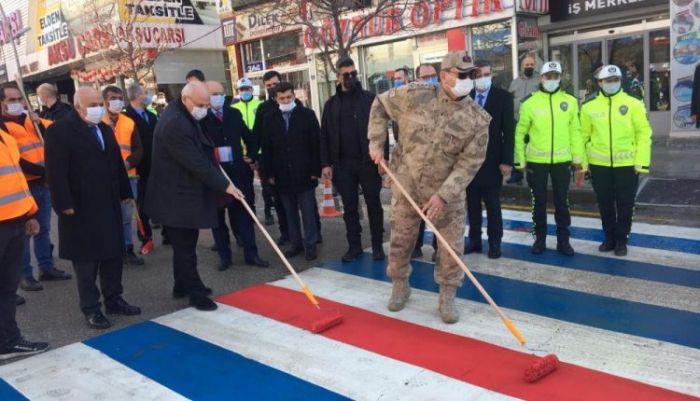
(23, 129)
(131, 147)
(16, 207)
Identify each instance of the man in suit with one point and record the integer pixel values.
(88, 182)
(185, 180)
(145, 125)
(291, 161)
(695, 98)
(486, 185)
(226, 128)
(52, 108)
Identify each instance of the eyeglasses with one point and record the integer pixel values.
(347, 75)
(461, 75)
(431, 76)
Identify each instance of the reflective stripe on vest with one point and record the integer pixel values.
(624, 158)
(15, 199)
(30, 147)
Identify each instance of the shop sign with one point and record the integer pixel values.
(62, 51)
(52, 27)
(534, 6)
(168, 11)
(685, 49)
(261, 23)
(418, 15)
(566, 10)
(254, 67)
(96, 39)
(228, 31)
(10, 26)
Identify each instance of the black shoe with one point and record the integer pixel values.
(30, 284)
(472, 247)
(256, 261)
(22, 348)
(283, 240)
(213, 248)
(54, 275)
(607, 245)
(320, 239)
(203, 303)
(311, 255)
(121, 307)
(130, 257)
(293, 252)
(539, 246)
(223, 265)
(20, 300)
(97, 321)
(417, 253)
(179, 293)
(494, 251)
(269, 220)
(378, 253)
(352, 255)
(621, 249)
(565, 248)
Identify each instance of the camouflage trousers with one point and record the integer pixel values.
(405, 223)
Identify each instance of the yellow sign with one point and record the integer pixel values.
(50, 26)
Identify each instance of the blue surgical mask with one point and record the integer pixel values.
(482, 84)
(432, 80)
(551, 85)
(398, 83)
(246, 96)
(611, 88)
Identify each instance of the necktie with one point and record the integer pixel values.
(98, 137)
(480, 99)
(143, 114)
(286, 115)
(219, 116)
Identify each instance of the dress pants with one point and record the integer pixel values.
(12, 243)
(615, 190)
(185, 274)
(304, 202)
(537, 175)
(491, 196)
(110, 272)
(352, 173)
(241, 223)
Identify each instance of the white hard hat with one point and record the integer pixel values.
(244, 83)
(609, 71)
(550, 66)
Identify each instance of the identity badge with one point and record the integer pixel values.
(224, 154)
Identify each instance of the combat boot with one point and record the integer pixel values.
(400, 291)
(563, 246)
(539, 246)
(446, 306)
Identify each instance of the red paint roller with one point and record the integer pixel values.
(149, 245)
(541, 368)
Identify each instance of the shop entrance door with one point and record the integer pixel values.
(590, 56)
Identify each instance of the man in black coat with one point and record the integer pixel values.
(291, 161)
(145, 124)
(344, 144)
(226, 128)
(487, 183)
(695, 98)
(88, 182)
(52, 108)
(185, 180)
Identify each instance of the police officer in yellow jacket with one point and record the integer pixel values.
(617, 137)
(547, 142)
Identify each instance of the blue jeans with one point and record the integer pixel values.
(42, 241)
(127, 216)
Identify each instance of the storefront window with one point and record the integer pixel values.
(381, 61)
(493, 43)
(628, 54)
(283, 51)
(564, 56)
(659, 70)
(590, 56)
(253, 57)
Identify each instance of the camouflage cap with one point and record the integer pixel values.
(458, 59)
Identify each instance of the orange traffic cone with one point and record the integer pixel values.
(329, 209)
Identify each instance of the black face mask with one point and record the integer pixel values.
(529, 72)
(350, 83)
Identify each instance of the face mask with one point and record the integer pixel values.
(551, 85)
(398, 83)
(432, 80)
(350, 83)
(216, 101)
(115, 106)
(611, 88)
(463, 87)
(529, 72)
(15, 109)
(246, 96)
(148, 99)
(482, 84)
(287, 107)
(94, 114)
(199, 113)
(41, 102)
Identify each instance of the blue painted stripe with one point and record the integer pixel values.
(200, 370)
(593, 234)
(598, 264)
(635, 318)
(8, 393)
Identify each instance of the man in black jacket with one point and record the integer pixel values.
(291, 161)
(344, 144)
(52, 108)
(695, 98)
(185, 180)
(226, 128)
(487, 183)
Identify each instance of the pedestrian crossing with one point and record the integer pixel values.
(624, 328)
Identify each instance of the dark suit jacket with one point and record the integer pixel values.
(292, 156)
(695, 98)
(56, 112)
(185, 177)
(499, 104)
(90, 181)
(146, 129)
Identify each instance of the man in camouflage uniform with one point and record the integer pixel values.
(444, 135)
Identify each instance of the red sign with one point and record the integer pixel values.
(62, 51)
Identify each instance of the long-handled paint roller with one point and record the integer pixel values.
(443, 243)
(318, 325)
(149, 245)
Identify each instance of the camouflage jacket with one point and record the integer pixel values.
(442, 142)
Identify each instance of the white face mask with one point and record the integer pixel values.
(199, 113)
(216, 101)
(15, 109)
(115, 106)
(94, 114)
(288, 107)
(551, 85)
(462, 87)
(482, 84)
(41, 102)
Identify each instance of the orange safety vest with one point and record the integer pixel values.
(30, 146)
(15, 198)
(123, 130)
